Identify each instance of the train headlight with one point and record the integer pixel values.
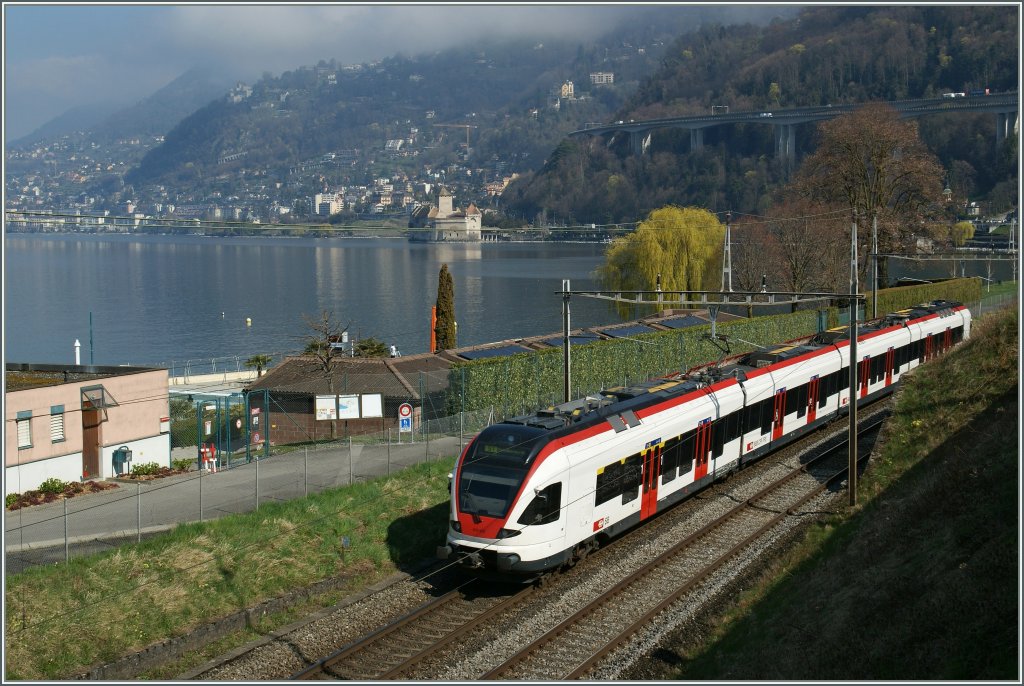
(508, 533)
(456, 526)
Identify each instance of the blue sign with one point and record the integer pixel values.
(405, 424)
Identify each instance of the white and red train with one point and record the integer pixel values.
(538, 492)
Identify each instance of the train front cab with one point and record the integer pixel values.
(509, 497)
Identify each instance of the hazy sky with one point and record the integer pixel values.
(59, 56)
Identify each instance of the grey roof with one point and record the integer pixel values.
(391, 377)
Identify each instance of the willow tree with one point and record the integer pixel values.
(872, 162)
(444, 328)
(682, 244)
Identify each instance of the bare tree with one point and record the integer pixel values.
(324, 347)
(812, 246)
(873, 162)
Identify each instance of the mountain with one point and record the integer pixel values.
(154, 115)
(502, 89)
(826, 54)
(161, 111)
(77, 119)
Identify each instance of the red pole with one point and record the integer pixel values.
(433, 329)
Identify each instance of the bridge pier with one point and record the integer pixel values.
(639, 141)
(696, 140)
(785, 141)
(1004, 125)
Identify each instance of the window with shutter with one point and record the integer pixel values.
(25, 432)
(57, 426)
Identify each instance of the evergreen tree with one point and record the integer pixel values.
(444, 329)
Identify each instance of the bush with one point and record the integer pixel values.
(10, 499)
(146, 468)
(53, 485)
(183, 463)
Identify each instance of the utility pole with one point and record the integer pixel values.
(853, 362)
(566, 355)
(874, 265)
(727, 255)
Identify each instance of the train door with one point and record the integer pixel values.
(651, 475)
(779, 413)
(812, 399)
(890, 356)
(948, 343)
(927, 348)
(703, 447)
(865, 375)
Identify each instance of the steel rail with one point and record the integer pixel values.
(606, 597)
(324, 666)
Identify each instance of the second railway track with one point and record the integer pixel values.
(473, 632)
(570, 649)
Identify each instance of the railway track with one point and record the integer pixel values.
(404, 644)
(573, 647)
(478, 612)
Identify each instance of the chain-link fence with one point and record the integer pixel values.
(136, 509)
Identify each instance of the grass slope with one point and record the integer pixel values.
(63, 619)
(921, 580)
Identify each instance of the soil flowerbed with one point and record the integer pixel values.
(29, 498)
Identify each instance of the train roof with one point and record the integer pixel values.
(613, 402)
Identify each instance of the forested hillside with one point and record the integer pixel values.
(503, 88)
(825, 55)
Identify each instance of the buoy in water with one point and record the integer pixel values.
(248, 321)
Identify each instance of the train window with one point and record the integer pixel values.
(797, 399)
(492, 473)
(751, 417)
(717, 438)
(545, 507)
(825, 389)
(767, 414)
(669, 460)
(732, 426)
(881, 367)
(609, 482)
(686, 450)
(631, 478)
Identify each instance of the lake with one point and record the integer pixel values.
(161, 300)
(165, 300)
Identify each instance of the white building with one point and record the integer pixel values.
(66, 422)
(445, 222)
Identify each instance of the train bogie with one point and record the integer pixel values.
(539, 492)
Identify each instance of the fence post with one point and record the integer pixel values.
(389, 450)
(305, 471)
(257, 482)
(351, 469)
(138, 513)
(200, 492)
(460, 431)
(67, 555)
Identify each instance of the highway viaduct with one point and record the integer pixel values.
(1004, 105)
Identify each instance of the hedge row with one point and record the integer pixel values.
(960, 290)
(521, 383)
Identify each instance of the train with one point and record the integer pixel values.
(539, 492)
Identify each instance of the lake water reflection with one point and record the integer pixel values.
(158, 299)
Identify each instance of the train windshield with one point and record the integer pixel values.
(493, 472)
